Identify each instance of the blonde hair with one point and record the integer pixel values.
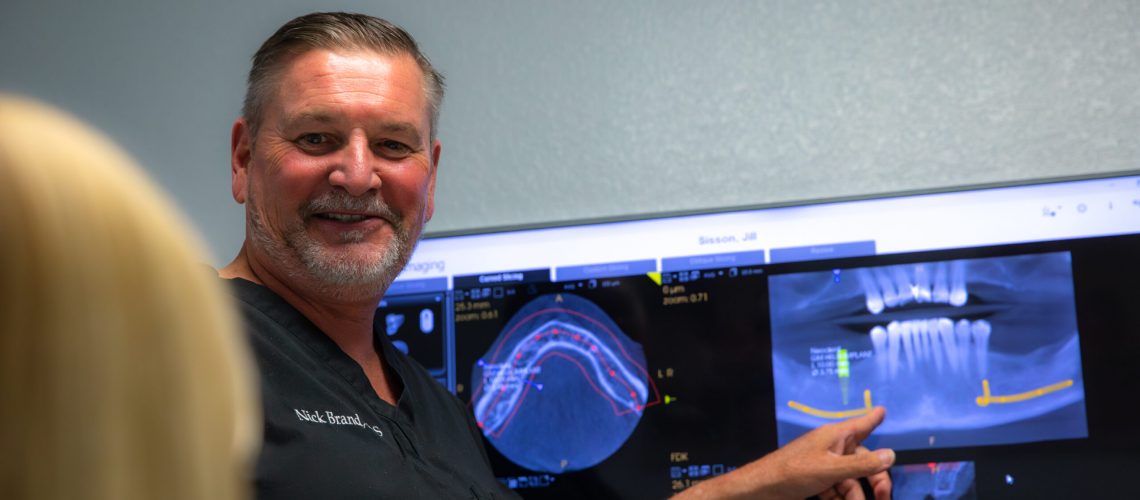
(122, 371)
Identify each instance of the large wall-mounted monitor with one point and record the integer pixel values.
(999, 326)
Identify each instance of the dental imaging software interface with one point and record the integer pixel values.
(999, 327)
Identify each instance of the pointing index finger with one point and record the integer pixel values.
(862, 426)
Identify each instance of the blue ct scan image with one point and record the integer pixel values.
(934, 481)
(561, 388)
(961, 353)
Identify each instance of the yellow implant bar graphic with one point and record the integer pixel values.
(986, 398)
(835, 414)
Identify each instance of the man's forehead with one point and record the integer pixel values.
(320, 73)
(363, 63)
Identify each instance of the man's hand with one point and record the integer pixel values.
(827, 461)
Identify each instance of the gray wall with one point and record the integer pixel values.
(567, 110)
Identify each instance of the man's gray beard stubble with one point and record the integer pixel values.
(296, 246)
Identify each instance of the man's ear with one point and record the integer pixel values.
(429, 205)
(240, 151)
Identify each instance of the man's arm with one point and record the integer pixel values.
(827, 461)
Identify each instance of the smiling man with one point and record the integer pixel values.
(335, 158)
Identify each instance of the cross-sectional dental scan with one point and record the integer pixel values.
(591, 393)
(960, 352)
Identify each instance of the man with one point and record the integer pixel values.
(335, 158)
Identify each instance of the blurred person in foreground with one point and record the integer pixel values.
(335, 158)
(123, 374)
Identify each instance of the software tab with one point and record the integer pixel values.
(607, 270)
(503, 278)
(825, 251)
(427, 285)
(692, 262)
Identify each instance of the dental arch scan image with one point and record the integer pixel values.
(560, 368)
(966, 352)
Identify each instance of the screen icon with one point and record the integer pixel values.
(393, 322)
(427, 321)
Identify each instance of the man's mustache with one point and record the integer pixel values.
(343, 202)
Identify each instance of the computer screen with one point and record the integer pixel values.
(635, 358)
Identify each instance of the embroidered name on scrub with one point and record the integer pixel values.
(330, 418)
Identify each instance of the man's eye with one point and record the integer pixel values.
(313, 139)
(394, 148)
(316, 143)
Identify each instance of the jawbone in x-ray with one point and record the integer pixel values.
(562, 387)
(961, 353)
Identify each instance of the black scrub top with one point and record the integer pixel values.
(327, 433)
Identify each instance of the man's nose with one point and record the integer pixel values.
(356, 169)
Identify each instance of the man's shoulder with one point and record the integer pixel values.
(277, 333)
(246, 292)
(258, 305)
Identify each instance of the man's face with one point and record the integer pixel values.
(340, 177)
